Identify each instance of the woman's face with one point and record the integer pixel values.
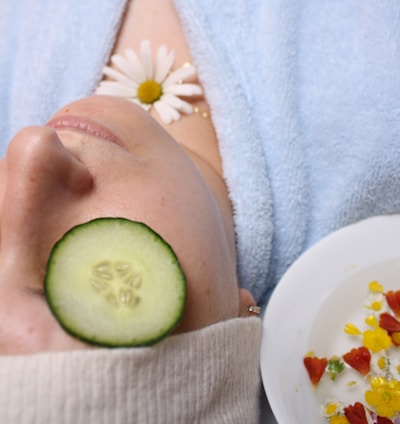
(98, 157)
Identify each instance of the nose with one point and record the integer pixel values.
(43, 181)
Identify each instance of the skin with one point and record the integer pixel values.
(57, 176)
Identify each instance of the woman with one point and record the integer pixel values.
(105, 156)
(303, 98)
(60, 175)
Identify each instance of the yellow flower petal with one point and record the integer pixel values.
(375, 287)
(384, 396)
(376, 339)
(338, 419)
(352, 330)
(372, 321)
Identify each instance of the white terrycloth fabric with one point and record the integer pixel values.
(209, 376)
(304, 96)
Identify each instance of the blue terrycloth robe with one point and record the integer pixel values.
(305, 97)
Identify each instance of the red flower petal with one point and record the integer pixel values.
(392, 326)
(359, 359)
(383, 420)
(389, 323)
(315, 367)
(356, 414)
(393, 299)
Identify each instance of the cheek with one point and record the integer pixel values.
(177, 204)
(27, 326)
(197, 234)
(3, 180)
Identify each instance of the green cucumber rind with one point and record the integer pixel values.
(50, 290)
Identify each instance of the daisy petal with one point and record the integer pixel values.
(163, 64)
(118, 76)
(183, 90)
(177, 103)
(180, 74)
(125, 65)
(147, 59)
(132, 74)
(137, 71)
(166, 112)
(113, 88)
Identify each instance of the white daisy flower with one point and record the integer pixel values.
(380, 364)
(394, 369)
(331, 408)
(150, 83)
(376, 303)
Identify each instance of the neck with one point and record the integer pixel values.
(157, 21)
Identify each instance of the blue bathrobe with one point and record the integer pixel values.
(305, 98)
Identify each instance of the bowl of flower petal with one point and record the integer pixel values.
(331, 331)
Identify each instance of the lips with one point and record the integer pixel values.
(84, 125)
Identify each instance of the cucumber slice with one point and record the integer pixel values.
(115, 282)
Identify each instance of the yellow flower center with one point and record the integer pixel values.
(149, 91)
(331, 409)
(376, 306)
(382, 363)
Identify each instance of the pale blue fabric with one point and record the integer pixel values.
(317, 84)
(305, 96)
(51, 52)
